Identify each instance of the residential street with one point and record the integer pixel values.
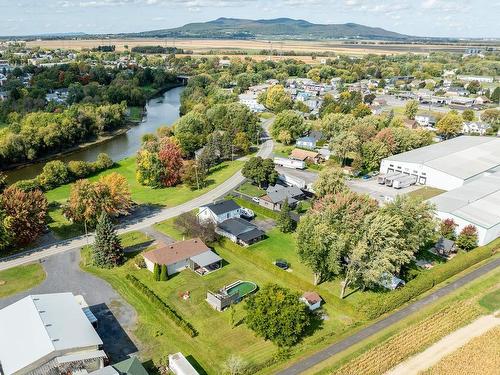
(344, 344)
(138, 223)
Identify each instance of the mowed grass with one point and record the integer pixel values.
(217, 339)
(426, 192)
(20, 278)
(165, 197)
(251, 190)
(491, 301)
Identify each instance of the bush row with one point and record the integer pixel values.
(259, 210)
(378, 304)
(56, 173)
(166, 309)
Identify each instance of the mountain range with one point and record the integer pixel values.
(280, 28)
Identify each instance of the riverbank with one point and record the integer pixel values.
(132, 121)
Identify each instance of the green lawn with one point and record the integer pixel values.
(166, 197)
(266, 115)
(491, 301)
(251, 190)
(282, 150)
(20, 278)
(426, 192)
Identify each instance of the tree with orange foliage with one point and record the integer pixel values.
(170, 156)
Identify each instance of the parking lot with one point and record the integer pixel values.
(379, 192)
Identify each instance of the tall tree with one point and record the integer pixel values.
(447, 228)
(170, 156)
(5, 230)
(260, 171)
(411, 109)
(450, 125)
(276, 314)
(468, 238)
(331, 180)
(285, 222)
(289, 122)
(277, 100)
(107, 249)
(27, 212)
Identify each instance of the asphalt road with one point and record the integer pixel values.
(138, 223)
(342, 345)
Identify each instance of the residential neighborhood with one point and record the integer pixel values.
(249, 195)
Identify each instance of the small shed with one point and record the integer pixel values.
(445, 247)
(312, 300)
(391, 282)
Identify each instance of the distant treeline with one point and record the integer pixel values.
(156, 49)
(110, 48)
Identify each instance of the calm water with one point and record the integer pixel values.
(163, 110)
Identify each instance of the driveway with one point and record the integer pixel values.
(116, 317)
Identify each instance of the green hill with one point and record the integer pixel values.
(232, 28)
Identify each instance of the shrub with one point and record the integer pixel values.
(139, 261)
(156, 272)
(79, 169)
(28, 185)
(164, 308)
(103, 162)
(55, 173)
(377, 304)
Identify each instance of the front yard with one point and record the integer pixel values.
(165, 197)
(20, 278)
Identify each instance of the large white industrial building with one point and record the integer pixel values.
(468, 168)
(447, 165)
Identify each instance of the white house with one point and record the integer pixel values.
(48, 334)
(312, 300)
(474, 127)
(480, 79)
(179, 365)
(425, 120)
(219, 211)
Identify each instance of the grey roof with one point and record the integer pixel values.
(240, 228)
(390, 281)
(107, 370)
(222, 207)
(38, 325)
(477, 201)
(206, 258)
(278, 193)
(463, 157)
(445, 244)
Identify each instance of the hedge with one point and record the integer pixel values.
(259, 210)
(378, 304)
(166, 309)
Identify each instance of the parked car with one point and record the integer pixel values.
(281, 263)
(366, 177)
(247, 213)
(255, 199)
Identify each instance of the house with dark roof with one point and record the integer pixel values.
(190, 254)
(219, 211)
(445, 247)
(277, 194)
(240, 231)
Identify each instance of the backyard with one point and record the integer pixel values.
(167, 197)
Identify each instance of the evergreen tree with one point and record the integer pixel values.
(107, 248)
(156, 272)
(163, 273)
(285, 222)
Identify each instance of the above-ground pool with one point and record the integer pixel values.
(241, 287)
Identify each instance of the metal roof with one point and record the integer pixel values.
(463, 157)
(38, 325)
(240, 228)
(477, 201)
(206, 258)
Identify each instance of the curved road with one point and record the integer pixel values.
(142, 222)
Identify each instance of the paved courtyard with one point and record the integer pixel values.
(116, 317)
(379, 192)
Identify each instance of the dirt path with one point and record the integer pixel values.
(445, 346)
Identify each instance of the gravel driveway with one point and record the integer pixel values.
(116, 317)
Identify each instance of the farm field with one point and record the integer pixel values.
(140, 194)
(302, 48)
(481, 356)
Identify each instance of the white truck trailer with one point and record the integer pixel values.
(389, 180)
(290, 163)
(404, 182)
(381, 178)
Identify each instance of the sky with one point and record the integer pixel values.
(442, 18)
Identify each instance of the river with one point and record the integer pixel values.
(163, 110)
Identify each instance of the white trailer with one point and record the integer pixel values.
(404, 182)
(290, 163)
(390, 179)
(382, 178)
